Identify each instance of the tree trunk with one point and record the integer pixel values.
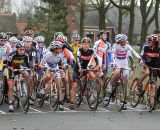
(144, 29)
(157, 13)
(102, 17)
(131, 24)
(82, 15)
(120, 19)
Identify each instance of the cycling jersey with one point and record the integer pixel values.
(32, 55)
(15, 60)
(41, 51)
(67, 56)
(100, 49)
(151, 57)
(84, 57)
(5, 51)
(75, 47)
(51, 60)
(121, 54)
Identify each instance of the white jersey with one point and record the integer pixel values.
(5, 51)
(51, 60)
(121, 54)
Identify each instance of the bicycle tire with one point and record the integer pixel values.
(24, 95)
(120, 95)
(151, 98)
(93, 92)
(39, 101)
(134, 94)
(106, 94)
(53, 97)
(80, 92)
(2, 93)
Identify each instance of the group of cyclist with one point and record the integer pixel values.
(31, 51)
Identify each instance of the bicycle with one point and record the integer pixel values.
(148, 94)
(21, 90)
(89, 88)
(119, 91)
(2, 81)
(50, 91)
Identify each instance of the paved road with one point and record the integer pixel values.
(80, 119)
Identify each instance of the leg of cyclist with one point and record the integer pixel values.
(144, 75)
(114, 79)
(10, 89)
(73, 89)
(59, 85)
(67, 85)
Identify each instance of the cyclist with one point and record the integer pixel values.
(31, 51)
(83, 58)
(13, 40)
(68, 58)
(75, 45)
(150, 58)
(100, 48)
(120, 50)
(5, 50)
(16, 59)
(52, 60)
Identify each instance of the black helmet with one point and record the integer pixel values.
(100, 33)
(20, 44)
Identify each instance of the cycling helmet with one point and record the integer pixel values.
(86, 39)
(76, 37)
(39, 39)
(152, 38)
(29, 33)
(120, 37)
(57, 34)
(65, 38)
(55, 44)
(27, 38)
(20, 44)
(100, 33)
(13, 39)
(3, 36)
(60, 38)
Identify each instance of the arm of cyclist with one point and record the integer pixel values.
(68, 46)
(134, 52)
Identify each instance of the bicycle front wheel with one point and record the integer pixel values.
(93, 91)
(120, 96)
(134, 94)
(53, 96)
(24, 95)
(151, 97)
(1, 90)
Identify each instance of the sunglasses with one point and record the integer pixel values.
(21, 49)
(3, 40)
(40, 42)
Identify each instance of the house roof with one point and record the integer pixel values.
(8, 23)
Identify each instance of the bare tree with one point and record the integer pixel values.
(130, 8)
(102, 6)
(157, 13)
(146, 19)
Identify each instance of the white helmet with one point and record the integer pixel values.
(120, 37)
(55, 44)
(76, 37)
(39, 39)
(27, 38)
(13, 39)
